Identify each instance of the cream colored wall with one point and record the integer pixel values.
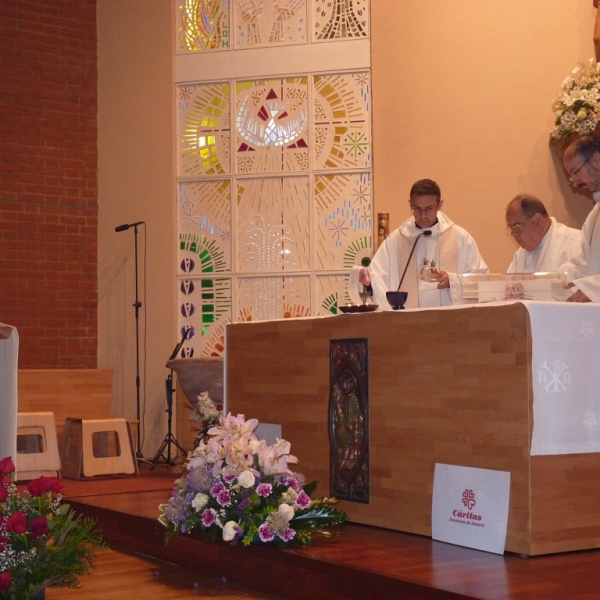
(136, 183)
(462, 93)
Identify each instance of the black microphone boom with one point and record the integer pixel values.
(127, 226)
(427, 232)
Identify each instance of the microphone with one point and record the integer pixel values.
(126, 227)
(427, 232)
(180, 344)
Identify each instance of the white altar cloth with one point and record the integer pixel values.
(565, 368)
(565, 375)
(9, 354)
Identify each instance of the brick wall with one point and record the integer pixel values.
(48, 180)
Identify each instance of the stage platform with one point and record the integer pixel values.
(363, 561)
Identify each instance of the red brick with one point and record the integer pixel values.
(48, 179)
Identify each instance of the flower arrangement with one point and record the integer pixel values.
(577, 109)
(241, 489)
(42, 543)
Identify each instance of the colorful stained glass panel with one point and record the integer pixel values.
(340, 19)
(273, 225)
(342, 121)
(205, 225)
(269, 23)
(343, 221)
(262, 298)
(203, 25)
(204, 310)
(271, 126)
(204, 129)
(331, 292)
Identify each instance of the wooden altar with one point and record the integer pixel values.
(445, 385)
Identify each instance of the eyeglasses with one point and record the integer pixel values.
(576, 171)
(417, 210)
(516, 227)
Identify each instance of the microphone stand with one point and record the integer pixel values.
(427, 232)
(169, 438)
(137, 305)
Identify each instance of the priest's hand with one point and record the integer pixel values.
(364, 277)
(577, 295)
(443, 281)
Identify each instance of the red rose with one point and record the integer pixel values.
(3, 543)
(3, 493)
(4, 480)
(5, 581)
(44, 484)
(7, 466)
(17, 522)
(39, 527)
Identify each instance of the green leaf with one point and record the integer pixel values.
(320, 516)
(309, 488)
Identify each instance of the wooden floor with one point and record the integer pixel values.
(118, 571)
(363, 562)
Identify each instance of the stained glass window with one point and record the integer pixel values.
(274, 199)
(269, 22)
(204, 130)
(213, 25)
(203, 25)
(262, 298)
(342, 121)
(272, 231)
(204, 310)
(271, 125)
(339, 19)
(343, 222)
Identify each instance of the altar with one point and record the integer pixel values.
(504, 386)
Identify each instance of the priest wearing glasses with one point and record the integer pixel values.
(582, 164)
(427, 240)
(545, 243)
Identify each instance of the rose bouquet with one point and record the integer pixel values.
(239, 488)
(577, 109)
(42, 543)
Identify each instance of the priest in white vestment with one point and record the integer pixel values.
(545, 243)
(449, 249)
(582, 163)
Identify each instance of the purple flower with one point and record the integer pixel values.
(264, 489)
(303, 500)
(176, 510)
(288, 535)
(215, 489)
(266, 533)
(224, 498)
(244, 504)
(293, 483)
(209, 516)
(229, 478)
(198, 480)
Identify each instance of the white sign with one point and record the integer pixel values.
(470, 507)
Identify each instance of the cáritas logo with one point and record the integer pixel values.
(468, 498)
